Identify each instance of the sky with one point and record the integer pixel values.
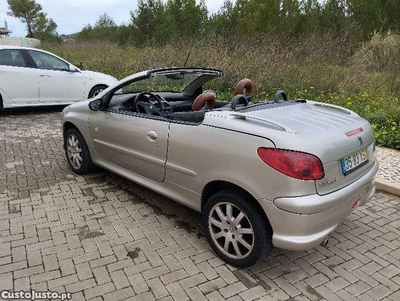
(72, 15)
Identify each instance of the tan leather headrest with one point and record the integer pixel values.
(207, 99)
(244, 84)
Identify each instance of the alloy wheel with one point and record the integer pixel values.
(231, 230)
(97, 92)
(74, 151)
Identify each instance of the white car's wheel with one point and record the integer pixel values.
(235, 228)
(97, 90)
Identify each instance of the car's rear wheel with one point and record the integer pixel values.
(77, 153)
(97, 90)
(236, 229)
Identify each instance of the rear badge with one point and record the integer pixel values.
(360, 140)
(354, 132)
(327, 182)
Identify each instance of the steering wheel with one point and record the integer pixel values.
(239, 99)
(143, 100)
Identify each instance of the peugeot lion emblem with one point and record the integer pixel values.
(360, 140)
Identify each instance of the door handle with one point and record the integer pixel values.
(44, 75)
(152, 136)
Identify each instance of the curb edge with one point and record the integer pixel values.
(387, 186)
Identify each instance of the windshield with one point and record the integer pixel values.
(176, 82)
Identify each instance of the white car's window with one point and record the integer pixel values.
(47, 61)
(9, 57)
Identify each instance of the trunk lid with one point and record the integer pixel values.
(316, 128)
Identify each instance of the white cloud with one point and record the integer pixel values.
(72, 15)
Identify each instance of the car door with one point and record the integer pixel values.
(17, 80)
(57, 84)
(135, 142)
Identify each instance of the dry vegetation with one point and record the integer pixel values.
(366, 81)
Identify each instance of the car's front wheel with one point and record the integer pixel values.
(77, 153)
(97, 90)
(236, 229)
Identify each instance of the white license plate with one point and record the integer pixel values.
(353, 161)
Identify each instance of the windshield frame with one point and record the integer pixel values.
(207, 74)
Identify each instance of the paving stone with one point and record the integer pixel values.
(195, 294)
(289, 289)
(158, 288)
(119, 278)
(138, 283)
(84, 271)
(192, 281)
(99, 290)
(174, 276)
(357, 288)
(379, 292)
(120, 294)
(232, 289)
(176, 291)
(337, 284)
(253, 293)
(6, 281)
(46, 276)
(316, 280)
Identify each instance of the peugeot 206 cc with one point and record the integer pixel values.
(281, 173)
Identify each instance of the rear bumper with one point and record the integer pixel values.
(298, 231)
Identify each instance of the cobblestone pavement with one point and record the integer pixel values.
(103, 238)
(390, 164)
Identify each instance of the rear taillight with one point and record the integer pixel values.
(297, 165)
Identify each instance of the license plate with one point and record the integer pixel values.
(354, 161)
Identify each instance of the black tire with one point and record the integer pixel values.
(262, 231)
(96, 90)
(87, 165)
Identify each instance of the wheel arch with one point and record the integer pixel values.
(1, 102)
(67, 126)
(215, 186)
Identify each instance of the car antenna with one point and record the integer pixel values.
(190, 52)
(191, 48)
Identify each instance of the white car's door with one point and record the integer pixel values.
(17, 80)
(57, 84)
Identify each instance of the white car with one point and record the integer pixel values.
(31, 77)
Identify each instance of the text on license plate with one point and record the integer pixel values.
(353, 161)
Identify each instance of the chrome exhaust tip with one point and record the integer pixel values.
(325, 242)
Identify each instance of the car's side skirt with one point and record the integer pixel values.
(171, 190)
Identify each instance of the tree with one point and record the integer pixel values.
(148, 21)
(226, 20)
(333, 17)
(185, 18)
(37, 23)
(105, 29)
(261, 16)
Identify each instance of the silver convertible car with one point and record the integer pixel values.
(281, 173)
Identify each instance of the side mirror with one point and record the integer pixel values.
(94, 105)
(72, 68)
(80, 66)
